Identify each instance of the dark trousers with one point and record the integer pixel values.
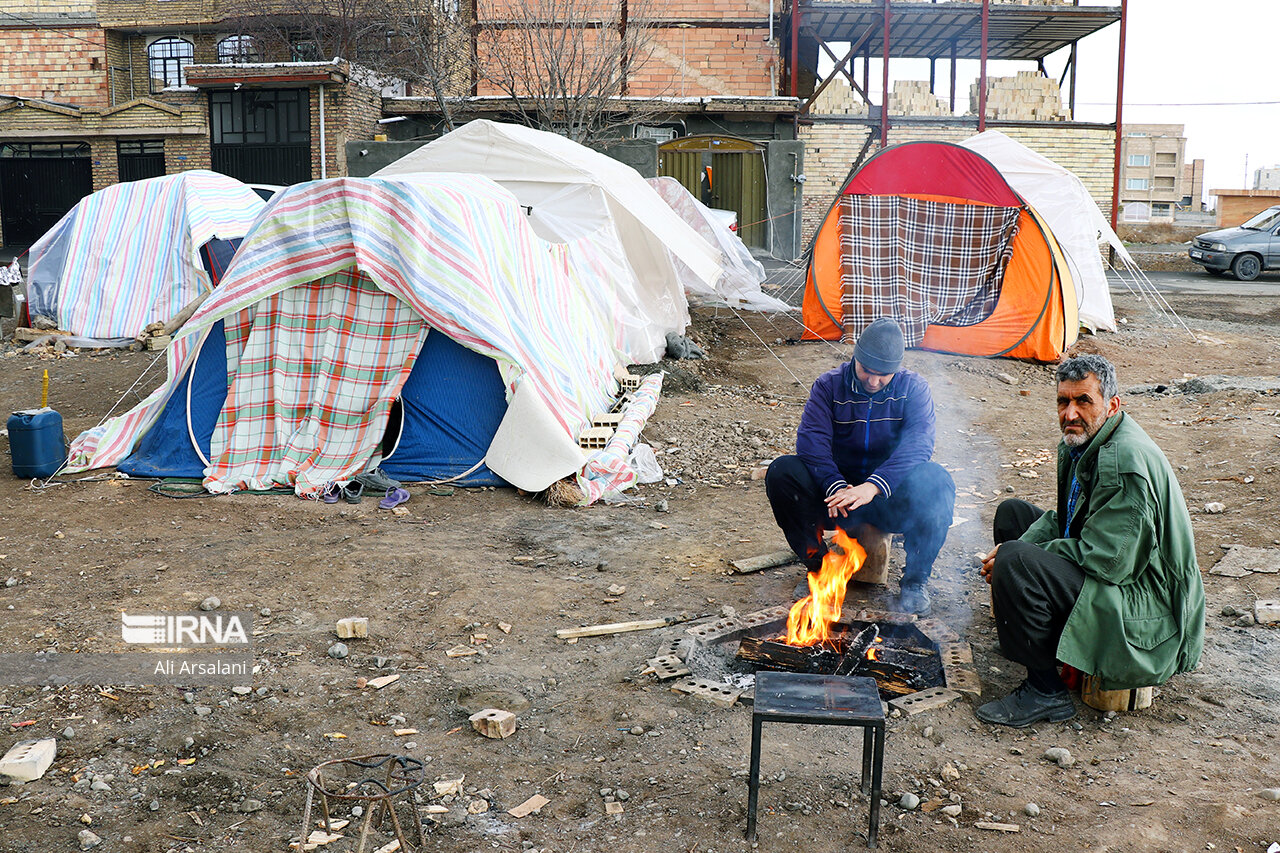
(921, 509)
(1033, 590)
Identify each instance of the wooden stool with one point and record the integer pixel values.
(1115, 700)
(825, 700)
(877, 544)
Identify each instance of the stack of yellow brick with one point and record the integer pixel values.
(1028, 97)
(838, 99)
(913, 98)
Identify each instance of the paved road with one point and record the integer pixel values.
(1267, 284)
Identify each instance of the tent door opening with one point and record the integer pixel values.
(723, 172)
(39, 183)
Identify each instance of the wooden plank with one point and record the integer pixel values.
(764, 561)
(997, 827)
(613, 628)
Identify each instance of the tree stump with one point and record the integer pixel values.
(1115, 700)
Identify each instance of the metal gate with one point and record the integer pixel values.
(39, 182)
(261, 136)
(137, 159)
(723, 172)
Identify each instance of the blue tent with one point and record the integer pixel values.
(442, 425)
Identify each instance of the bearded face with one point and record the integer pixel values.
(1082, 409)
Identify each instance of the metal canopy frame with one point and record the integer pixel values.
(898, 29)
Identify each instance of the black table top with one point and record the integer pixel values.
(831, 699)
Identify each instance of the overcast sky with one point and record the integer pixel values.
(1210, 66)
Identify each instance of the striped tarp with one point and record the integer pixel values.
(129, 255)
(921, 262)
(453, 252)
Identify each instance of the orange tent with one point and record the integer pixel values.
(931, 234)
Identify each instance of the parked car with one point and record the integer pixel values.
(1244, 251)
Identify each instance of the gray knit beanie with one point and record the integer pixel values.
(880, 347)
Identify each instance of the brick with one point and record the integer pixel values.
(712, 691)
(27, 760)
(1266, 611)
(925, 700)
(494, 723)
(353, 628)
(668, 666)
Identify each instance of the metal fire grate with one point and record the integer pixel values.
(373, 782)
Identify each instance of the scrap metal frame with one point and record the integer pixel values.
(955, 30)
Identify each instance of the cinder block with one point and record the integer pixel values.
(27, 760)
(494, 723)
(1266, 611)
(925, 700)
(706, 689)
(668, 666)
(353, 628)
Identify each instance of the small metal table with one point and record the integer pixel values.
(823, 700)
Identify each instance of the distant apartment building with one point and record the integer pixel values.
(1267, 179)
(1156, 181)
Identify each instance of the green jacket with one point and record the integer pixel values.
(1140, 617)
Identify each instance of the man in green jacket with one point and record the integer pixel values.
(1108, 582)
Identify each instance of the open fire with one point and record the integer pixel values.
(810, 620)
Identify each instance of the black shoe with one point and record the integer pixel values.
(802, 587)
(1027, 705)
(913, 599)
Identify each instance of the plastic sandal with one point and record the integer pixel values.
(394, 498)
(330, 493)
(353, 492)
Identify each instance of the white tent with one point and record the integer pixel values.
(1073, 216)
(573, 192)
(739, 284)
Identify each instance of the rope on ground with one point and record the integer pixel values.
(179, 488)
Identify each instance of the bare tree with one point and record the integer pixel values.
(425, 43)
(564, 64)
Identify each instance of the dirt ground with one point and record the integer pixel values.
(1183, 775)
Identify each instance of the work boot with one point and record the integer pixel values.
(913, 599)
(1027, 705)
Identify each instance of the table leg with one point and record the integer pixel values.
(753, 780)
(877, 769)
(867, 733)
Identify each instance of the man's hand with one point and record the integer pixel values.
(988, 563)
(850, 498)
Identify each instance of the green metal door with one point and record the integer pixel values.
(723, 172)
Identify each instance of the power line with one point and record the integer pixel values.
(77, 24)
(1199, 104)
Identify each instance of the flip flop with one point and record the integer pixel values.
(353, 492)
(330, 493)
(394, 498)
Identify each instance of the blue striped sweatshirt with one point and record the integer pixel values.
(849, 437)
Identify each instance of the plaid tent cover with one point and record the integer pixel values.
(453, 252)
(921, 262)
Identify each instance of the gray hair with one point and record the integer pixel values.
(1077, 368)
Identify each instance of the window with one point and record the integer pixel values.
(1166, 159)
(166, 58)
(1136, 184)
(1164, 183)
(1160, 209)
(1139, 160)
(237, 49)
(25, 150)
(304, 50)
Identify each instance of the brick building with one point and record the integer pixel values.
(1156, 180)
(92, 93)
(759, 106)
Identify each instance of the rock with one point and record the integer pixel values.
(952, 810)
(622, 795)
(1214, 507)
(264, 612)
(661, 506)
(241, 690)
(928, 732)
(211, 603)
(189, 698)
(11, 582)
(949, 773)
(203, 710)
(68, 732)
(88, 839)
(1272, 794)
(1246, 620)
(1230, 610)
(154, 805)
(99, 785)
(338, 651)
(1007, 379)
(1031, 810)
(477, 807)
(357, 811)
(250, 805)
(1059, 755)
(637, 730)
(43, 323)
(909, 802)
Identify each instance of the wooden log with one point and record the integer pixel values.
(764, 561)
(1115, 700)
(774, 655)
(877, 545)
(185, 314)
(623, 627)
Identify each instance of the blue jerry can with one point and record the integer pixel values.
(36, 443)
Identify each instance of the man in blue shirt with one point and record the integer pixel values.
(863, 455)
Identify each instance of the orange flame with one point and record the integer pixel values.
(809, 622)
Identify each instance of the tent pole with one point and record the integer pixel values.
(1115, 172)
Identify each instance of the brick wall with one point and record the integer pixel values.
(830, 150)
(63, 65)
(351, 112)
(694, 61)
